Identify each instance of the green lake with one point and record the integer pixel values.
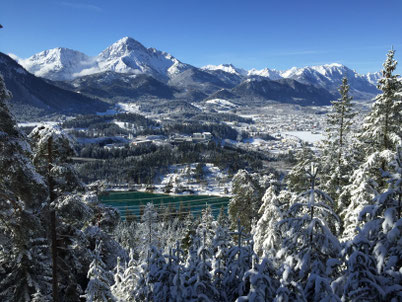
(132, 203)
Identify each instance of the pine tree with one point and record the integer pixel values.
(267, 237)
(118, 288)
(309, 248)
(261, 286)
(98, 289)
(375, 253)
(178, 290)
(221, 243)
(297, 180)
(336, 146)
(206, 227)
(238, 263)
(148, 231)
(246, 201)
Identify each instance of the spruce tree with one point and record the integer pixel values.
(336, 146)
(267, 237)
(309, 249)
(100, 279)
(246, 200)
(297, 180)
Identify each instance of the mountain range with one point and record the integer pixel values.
(128, 71)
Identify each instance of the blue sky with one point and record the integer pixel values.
(250, 34)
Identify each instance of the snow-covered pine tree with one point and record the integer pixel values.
(53, 149)
(190, 225)
(178, 289)
(207, 227)
(24, 254)
(297, 180)
(239, 261)
(148, 231)
(118, 286)
(221, 243)
(160, 274)
(380, 134)
(143, 289)
(267, 237)
(61, 171)
(100, 279)
(360, 281)
(190, 271)
(374, 266)
(309, 249)
(336, 146)
(246, 200)
(261, 285)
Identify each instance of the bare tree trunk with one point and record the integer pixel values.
(52, 197)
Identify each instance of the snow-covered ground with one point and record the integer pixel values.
(129, 107)
(183, 178)
(306, 136)
(34, 124)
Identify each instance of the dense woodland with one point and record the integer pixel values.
(143, 164)
(330, 231)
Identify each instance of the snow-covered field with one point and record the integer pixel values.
(306, 136)
(183, 178)
(34, 124)
(129, 107)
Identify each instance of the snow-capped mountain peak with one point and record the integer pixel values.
(229, 68)
(272, 74)
(57, 63)
(374, 77)
(121, 48)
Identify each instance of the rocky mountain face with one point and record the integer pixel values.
(34, 97)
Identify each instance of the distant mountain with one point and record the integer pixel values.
(58, 64)
(327, 76)
(330, 77)
(34, 97)
(120, 86)
(272, 74)
(196, 79)
(228, 68)
(374, 77)
(260, 91)
(128, 57)
(125, 56)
